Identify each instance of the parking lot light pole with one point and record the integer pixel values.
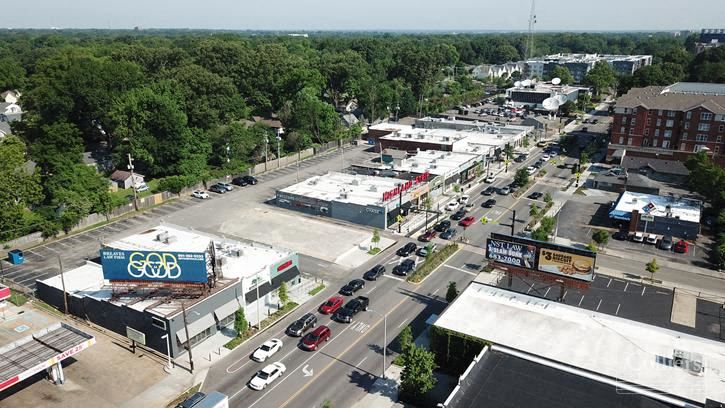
(385, 337)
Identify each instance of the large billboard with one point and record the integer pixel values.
(511, 253)
(546, 257)
(567, 264)
(154, 266)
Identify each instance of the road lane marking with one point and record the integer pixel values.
(599, 304)
(461, 270)
(361, 361)
(435, 291)
(394, 277)
(334, 360)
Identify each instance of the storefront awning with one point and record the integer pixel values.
(227, 309)
(196, 327)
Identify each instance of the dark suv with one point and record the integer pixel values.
(459, 214)
(374, 273)
(404, 268)
(301, 325)
(352, 307)
(408, 249)
(442, 226)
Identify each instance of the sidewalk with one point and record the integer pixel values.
(384, 392)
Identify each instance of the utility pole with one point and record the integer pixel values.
(256, 284)
(400, 208)
(133, 182)
(266, 157)
(62, 282)
(188, 340)
(279, 154)
(513, 221)
(298, 164)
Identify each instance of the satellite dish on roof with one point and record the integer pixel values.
(556, 81)
(526, 82)
(561, 99)
(551, 104)
(517, 84)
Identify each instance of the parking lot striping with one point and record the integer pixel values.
(301, 365)
(581, 300)
(643, 289)
(610, 282)
(618, 306)
(361, 361)
(599, 304)
(547, 291)
(435, 291)
(564, 295)
(662, 293)
(461, 270)
(626, 286)
(619, 280)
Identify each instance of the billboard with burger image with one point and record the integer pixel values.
(567, 264)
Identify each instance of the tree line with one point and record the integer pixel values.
(180, 102)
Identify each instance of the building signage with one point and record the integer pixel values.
(284, 266)
(511, 253)
(156, 266)
(649, 207)
(388, 195)
(567, 264)
(374, 210)
(647, 217)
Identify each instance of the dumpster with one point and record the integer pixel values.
(16, 257)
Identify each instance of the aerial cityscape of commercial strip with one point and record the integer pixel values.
(218, 218)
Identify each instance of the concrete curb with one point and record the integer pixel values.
(436, 268)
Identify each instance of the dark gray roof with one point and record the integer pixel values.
(504, 381)
(633, 180)
(658, 165)
(5, 128)
(662, 97)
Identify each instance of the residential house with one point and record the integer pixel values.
(274, 123)
(11, 96)
(123, 179)
(670, 171)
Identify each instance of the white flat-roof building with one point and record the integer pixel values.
(241, 270)
(676, 216)
(580, 64)
(663, 364)
(361, 199)
(534, 95)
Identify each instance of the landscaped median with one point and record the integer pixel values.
(432, 262)
(249, 333)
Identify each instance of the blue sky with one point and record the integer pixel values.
(510, 15)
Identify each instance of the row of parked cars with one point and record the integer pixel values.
(666, 242)
(223, 187)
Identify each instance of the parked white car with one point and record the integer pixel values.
(267, 350)
(452, 206)
(201, 194)
(545, 157)
(531, 169)
(652, 239)
(638, 237)
(266, 376)
(490, 179)
(464, 199)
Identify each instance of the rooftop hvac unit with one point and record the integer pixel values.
(312, 182)
(409, 135)
(433, 166)
(414, 164)
(421, 136)
(162, 236)
(238, 252)
(373, 189)
(171, 239)
(446, 138)
(433, 161)
(355, 182)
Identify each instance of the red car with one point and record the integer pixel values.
(681, 246)
(332, 305)
(467, 222)
(314, 338)
(427, 236)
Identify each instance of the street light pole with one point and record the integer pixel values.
(400, 208)
(266, 157)
(385, 338)
(133, 182)
(279, 154)
(169, 365)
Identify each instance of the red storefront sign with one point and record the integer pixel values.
(387, 195)
(284, 266)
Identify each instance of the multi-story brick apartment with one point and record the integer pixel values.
(670, 122)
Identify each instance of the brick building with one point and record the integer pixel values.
(670, 122)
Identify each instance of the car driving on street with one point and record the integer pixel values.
(407, 249)
(331, 305)
(266, 376)
(352, 308)
(404, 268)
(301, 325)
(266, 350)
(313, 339)
(352, 287)
(375, 272)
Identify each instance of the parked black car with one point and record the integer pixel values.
(346, 313)
(488, 191)
(442, 226)
(450, 233)
(404, 268)
(620, 235)
(352, 287)
(374, 273)
(240, 181)
(407, 249)
(458, 215)
(489, 203)
(301, 325)
(250, 179)
(535, 195)
(218, 188)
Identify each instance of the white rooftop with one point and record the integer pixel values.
(607, 345)
(546, 87)
(346, 188)
(485, 134)
(437, 162)
(684, 208)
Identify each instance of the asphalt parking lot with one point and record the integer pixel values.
(630, 300)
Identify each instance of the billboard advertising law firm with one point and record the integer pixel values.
(154, 266)
(511, 253)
